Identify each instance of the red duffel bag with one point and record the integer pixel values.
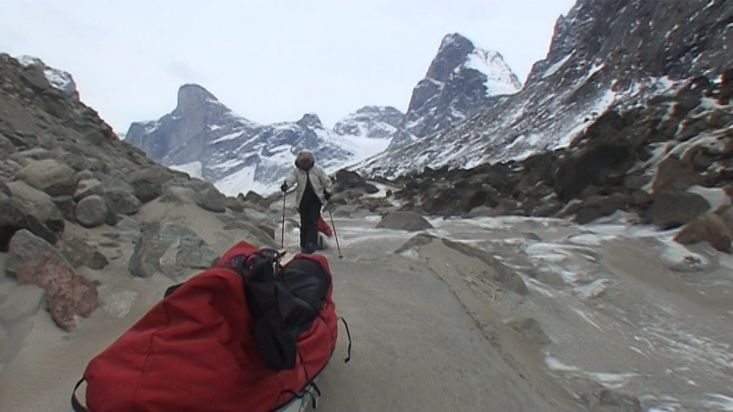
(245, 335)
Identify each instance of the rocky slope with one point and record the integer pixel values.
(81, 211)
(604, 55)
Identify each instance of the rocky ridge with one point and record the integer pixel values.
(77, 204)
(603, 56)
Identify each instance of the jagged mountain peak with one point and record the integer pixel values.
(192, 97)
(311, 121)
(460, 81)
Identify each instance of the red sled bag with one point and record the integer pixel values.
(245, 335)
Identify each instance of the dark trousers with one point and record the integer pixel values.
(310, 213)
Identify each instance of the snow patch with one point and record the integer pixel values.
(554, 68)
(193, 169)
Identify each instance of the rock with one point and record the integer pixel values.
(38, 204)
(498, 271)
(671, 209)
(178, 195)
(121, 201)
(91, 211)
(24, 247)
(254, 198)
(234, 204)
(674, 175)
(148, 183)
(708, 227)
(531, 330)
(347, 179)
(11, 220)
(80, 253)
(587, 215)
(418, 240)
(67, 293)
(171, 249)
(88, 187)
(211, 200)
(50, 176)
(408, 221)
(66, 206)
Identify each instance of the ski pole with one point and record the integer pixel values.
(282, 236)
(335, 234)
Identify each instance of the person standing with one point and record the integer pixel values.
(313, 190)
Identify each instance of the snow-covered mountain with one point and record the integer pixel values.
(59, 79)
(370, 121)
(461, 80)
(604, 55)
(206, 139)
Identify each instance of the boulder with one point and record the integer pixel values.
(408, 221)
(171, 249)
(255, 199)
(67, 293)
(122, 201)
(88, 187)
(148, 183)
(50, 176)
(91, 211)
(24, 247)
(212, 200)
(38, 204)
(671, 209)
(708, 227)
(79, 253)
(347, 179)
(674, 174)
(12, 219)
(66, 206)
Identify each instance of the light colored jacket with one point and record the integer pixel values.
(318, 178)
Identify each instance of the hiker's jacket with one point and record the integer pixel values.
(318, 179)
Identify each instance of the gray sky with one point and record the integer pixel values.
(270, 60)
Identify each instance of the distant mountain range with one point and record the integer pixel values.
(204, 138)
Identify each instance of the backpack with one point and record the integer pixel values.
(245, 335)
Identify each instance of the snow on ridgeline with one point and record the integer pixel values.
(59, 79)
(499, 76)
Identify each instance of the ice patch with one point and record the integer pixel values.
(593, 289)
(607, 379)
(719, 402)
(677, 257)
(715, 196)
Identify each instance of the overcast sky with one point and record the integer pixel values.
(267, 60)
